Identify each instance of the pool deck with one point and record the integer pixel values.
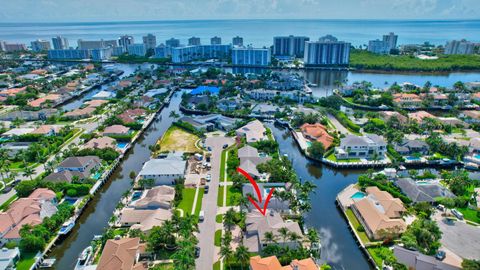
(344, 198)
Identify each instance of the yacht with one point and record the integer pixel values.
(84, 258)
(67, 227)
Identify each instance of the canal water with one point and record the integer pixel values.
(339, 248)
(96, 215)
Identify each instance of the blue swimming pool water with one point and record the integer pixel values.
(136, 195)
(97, 175)
(309, 143)
(477, 156)
(122, 145)
(412, 158)
(358, 195)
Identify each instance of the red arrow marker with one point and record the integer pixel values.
(257, 190)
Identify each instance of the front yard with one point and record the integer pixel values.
(188, 196)
(333, 158)
(356, 225)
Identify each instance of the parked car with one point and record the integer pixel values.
(7, 189)
(197, 252)
(456, 213)
(440, 255)
(201, 216)
(206, 189)
(15, 182)
(225, 146)
(208, 177)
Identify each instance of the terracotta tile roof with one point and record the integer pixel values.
(13, 91)
(101, 143)
(305, 264)
(121, 254)
(116, 129)
(317, 132)
(267, 263)
(45, 129)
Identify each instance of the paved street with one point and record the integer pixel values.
(460, 238)
(338, 125)
(209, 205)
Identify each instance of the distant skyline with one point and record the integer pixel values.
(145, 10)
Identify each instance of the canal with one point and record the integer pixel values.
(339, 248)
(96, 215)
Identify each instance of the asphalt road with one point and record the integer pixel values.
(209, 204)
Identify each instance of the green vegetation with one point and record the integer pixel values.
(198, 207)
(219, 218)
(470, 214)
(222, 165)
(345, 121)
(365, 60)
(26, 260)
(220, 196)
(333, 158)
(125, 58)
(422, 235)
(382, 254)
(382, 183)
(234, 195)
(7, 203)
(218, 238)
(356, 225)
(186, 204)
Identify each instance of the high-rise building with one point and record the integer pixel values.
(162, 51)
(327, 51)
(14, 47)
(95, 44)
(237, 41)
(216, 40)
(101, 54)
(40, 45)
(137, 49)
(390, 41)
(150, 41)
(193, 41)
(289, 45)
(190, 53)
(60, 43)
(125, 41)
(459, 47)
(117, 51)
(69, 54)
(173, 42)
(378, 46)
(2, 45)
(251, 56)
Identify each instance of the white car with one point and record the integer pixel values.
(208, 177)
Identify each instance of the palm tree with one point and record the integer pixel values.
(284, 232)
(243, 202)
(28, 172)
(270, 237)
(229, 219)
(312, 236)
(294, 237)
(226, 253)
(184, 258)
(242, 255)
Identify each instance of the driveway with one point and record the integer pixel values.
(209, 204)
(337, 125)
(459, 237)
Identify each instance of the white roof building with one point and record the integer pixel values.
(164, 171)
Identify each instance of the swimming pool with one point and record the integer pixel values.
(477, 156)
(358, 195)
(97, 175)
(309, 143)
(136, 195)
(412, 158)
(423, 182)
(122, 145)
(70, 201)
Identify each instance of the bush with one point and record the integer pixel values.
(72, 192)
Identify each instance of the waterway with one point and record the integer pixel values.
(95, 218)
(339, 248)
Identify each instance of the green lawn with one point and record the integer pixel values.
(333, 158)
(177, 139)
(220, 196)
(187, 201)
(219, 218)
(469, 214)
(216, 265)
(26, 261)
(223, 165)
(353, 219)
(218, 238)
(6, 204)
(165, 266)
(199, 201)
(233, 196)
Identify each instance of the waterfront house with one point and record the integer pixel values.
(317, 132)
(379, 211)
(42, 114)
(14, 132)
(164, 171)
(253, 131)
(30, 210)
(407, 100)
(423, 191)
(8, 258)
(266, 109)
(79, 167)
(116, 130)
(54, 99)
(143, 219)
(11, 92)
(367, 146)
(95, 103)
(203, 90)
(155, 198)
(13, 148)
(79, 113)
(416, 260)
(130, 116)
(194, 102)
(103, 95)
(257, 225)
(228, 105)
(101, 143)
(275, 203)
(453, 121)
(122, 254)
(272, 263)
(471, 117)
(299, 96)
(249, 159)
(409, 147)
(387, 115)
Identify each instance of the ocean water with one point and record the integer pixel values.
(255, 32)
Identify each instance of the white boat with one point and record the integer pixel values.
(67, 227)
(84, 258)
(471, 166)
(47, 263)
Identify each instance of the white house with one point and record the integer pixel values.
(367, 146)
(164, 171)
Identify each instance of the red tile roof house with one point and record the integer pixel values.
(54, 98)
(31, 210)
(317, 132)
(129, 116)
(407, 100)
(420, 115)
(12, 91)
(80, 113)
(116, 130)
(122, 254)
(47, 130)
(101, 143)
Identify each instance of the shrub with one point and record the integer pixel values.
(72, 192)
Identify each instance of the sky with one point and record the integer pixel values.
(145, 10)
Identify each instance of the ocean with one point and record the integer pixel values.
(259, 33)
